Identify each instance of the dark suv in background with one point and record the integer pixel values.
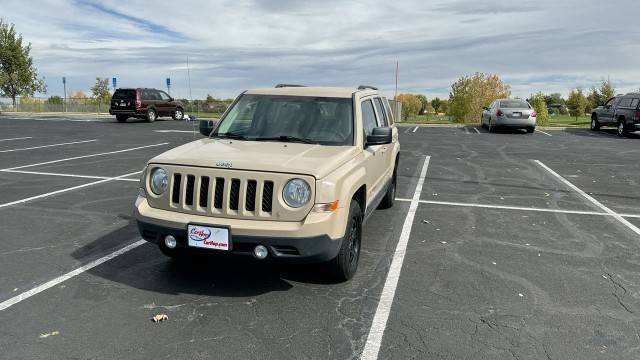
(622, 111)
(144, 104)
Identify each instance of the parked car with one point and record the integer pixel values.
(623, 112)
(509, 113)
(144, 103)
(288, 174)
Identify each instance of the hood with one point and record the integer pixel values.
(284, 157)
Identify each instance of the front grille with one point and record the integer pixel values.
(222, 196)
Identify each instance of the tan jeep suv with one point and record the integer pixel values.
(288, 173)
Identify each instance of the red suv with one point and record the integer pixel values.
(144, 104)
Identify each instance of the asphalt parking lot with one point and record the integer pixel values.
(500, 246)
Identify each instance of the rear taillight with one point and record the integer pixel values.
(637, 116)
(138, 101)
(499, 113)
(534, 114)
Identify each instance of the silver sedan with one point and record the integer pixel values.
(509, 113)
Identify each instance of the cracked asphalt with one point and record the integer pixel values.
(488, 281)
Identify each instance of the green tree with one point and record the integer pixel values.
(100, 90)
(576, 103)
(444, 106)
(594, 99)
(471, 93)
(540, 106)
(424, 104)
(18, 75)
(54, 100)
(436, 103)
(410, 105)
(607, 90)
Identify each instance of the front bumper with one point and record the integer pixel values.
(315, 239)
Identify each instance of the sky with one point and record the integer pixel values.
(234, 45)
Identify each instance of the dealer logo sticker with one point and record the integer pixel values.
(199, 233)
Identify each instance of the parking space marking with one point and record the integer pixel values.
(174, 131)
(546, 133)
(47, 146)
(590, 198)
(86, 156)
(476, 129)
(51, 283)
(415, 129)
(66, 190)
(20, 138)
(379, 323)
(65, 175)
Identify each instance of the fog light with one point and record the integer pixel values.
(170, 242)
(260, 252)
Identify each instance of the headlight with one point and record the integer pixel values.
(159, 181)
(296, 193)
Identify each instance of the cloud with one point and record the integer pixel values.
(235, 45)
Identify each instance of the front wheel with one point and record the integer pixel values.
(178, 114)
(345, 264)
(531, 129)
(595, 125)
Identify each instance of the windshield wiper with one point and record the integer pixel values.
(286, 138)
(231, 135)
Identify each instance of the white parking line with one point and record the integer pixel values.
(47, 146)
(85, 156)
(503, 207)
(546, 133)
(374, 340)
(51, 283)
(65, 175)
(20, 138)
(65, 190)
(476, 129)
(591, 199)
(174, 131)
(415, 129)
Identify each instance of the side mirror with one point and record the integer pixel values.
(206, 127)
(380, 136)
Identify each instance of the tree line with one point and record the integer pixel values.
(470, 94)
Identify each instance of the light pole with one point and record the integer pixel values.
(64, 85)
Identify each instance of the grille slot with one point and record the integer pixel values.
(175, 192)
(250, 201)
(234, 194)
(217, 199)
(267, 196)
(188, 198)
(204, 192)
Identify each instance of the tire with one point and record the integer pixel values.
(490, 127)
(121, 118)
(178, 114)
(622, 129)
(345, 264)
(530, 130)
(152, 115)
(390, 196)
(595, 125)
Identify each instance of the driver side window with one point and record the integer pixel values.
(369, 121)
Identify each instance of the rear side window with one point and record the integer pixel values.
(124, 94)
(148, 95)
(634, 103)
(368, 117)
(381, 113)
(626, 102)
(387, 108)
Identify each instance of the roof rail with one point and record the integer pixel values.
(364, 87)
(288, 85)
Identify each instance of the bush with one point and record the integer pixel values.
(411, 105)
(470, 94)
(540, 105)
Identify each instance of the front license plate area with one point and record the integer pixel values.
(209, 237)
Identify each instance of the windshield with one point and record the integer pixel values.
(326, 121)
(514, 104)
(124, 94)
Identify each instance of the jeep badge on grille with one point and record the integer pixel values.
(224, 164)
